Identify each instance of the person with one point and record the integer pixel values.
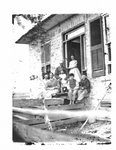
(58, 72)
(73, 69)
(73, 88)
(63, 80)
(52, 86)
(45, 80)
(59, 69)
(84, 88)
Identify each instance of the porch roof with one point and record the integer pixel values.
(47, 24)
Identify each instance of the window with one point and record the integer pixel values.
(45, 59)
(95, 32)
(97, 51)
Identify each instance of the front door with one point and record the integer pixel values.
(73, 48)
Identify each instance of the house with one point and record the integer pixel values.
(86, 36)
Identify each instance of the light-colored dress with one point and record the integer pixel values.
(52, 87)
(63, 81)
(73, 69)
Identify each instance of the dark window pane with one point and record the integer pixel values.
(97, 59)
(47, 52)
(43, 56)
(100, 59)
(83, 52)
(95, 32)
(94, 60)
(109, 51)
(109, 68)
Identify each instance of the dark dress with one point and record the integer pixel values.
(85, 84)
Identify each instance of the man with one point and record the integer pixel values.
(73, 88)
(84, 87)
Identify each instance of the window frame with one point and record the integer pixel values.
(45, 64)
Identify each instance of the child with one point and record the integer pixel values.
(73, 88)
(63, 81)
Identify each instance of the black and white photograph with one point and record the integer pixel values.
(61, 73)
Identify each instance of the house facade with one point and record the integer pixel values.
(86, 36)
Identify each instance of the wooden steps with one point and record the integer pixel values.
(53, 104)
(106, 103)
(21, 96)
(23, 103)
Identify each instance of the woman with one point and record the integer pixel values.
(52, 86)
(73, 69)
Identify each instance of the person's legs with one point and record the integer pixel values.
(70, 95)
(74, 96)
(82, 94)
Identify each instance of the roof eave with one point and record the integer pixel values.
(28, 37)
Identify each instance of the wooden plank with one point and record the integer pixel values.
(54, 124)
(64, 113)
(40, 123)
(29, 121)
(105, 105)
(103, 119)
(32, 134)
(52, 118)
(67, 107)
(29, 116)
(60, 95)
(54, 101)
(68, 121)
(27, 102)
(21, 117)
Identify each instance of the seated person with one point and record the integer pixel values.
(52, 86)
(73, 88)
(63, 81)
(84, 88)
(45, 80)
(59, 69)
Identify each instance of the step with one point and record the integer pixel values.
(54, 101)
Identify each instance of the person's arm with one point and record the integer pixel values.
(77, 86)
(46, 85)
(87, 85)
(80, 85)
(72, 64)
(57, 73)
(68, 86)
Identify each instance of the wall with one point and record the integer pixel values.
(98, 84)
(36, 85)
(56, 39)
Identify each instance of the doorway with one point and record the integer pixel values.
(73, 48)
(76, 47)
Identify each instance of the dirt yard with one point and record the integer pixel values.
(98, 132)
